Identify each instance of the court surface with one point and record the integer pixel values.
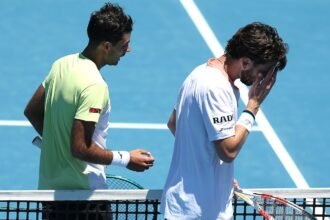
(290, 144)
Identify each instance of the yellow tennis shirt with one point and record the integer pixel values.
(74, 89)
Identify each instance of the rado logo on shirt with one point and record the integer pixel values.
(219, 120)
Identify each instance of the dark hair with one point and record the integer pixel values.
(109, 23)
(259, 42)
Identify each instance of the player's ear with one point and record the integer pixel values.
(246, 63)
(106, 45)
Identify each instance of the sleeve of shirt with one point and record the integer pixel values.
(50, 75)
(91, 102)
(217, 113)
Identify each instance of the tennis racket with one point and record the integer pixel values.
(119, 182)
(272, 207)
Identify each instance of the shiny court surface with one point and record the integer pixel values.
(290, 145)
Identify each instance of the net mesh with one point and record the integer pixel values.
(80, 204)
(120, 209)
(133, 204)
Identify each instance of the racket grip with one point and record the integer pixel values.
(37, 141)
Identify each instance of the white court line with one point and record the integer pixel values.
(117, 125)
(21, 123)
(269, 133)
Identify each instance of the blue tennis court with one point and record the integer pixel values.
(289, 146)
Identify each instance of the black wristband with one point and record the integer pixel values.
(249, 112)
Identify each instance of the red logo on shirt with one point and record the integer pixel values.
(94, 110)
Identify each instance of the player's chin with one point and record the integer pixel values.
(247, 82)
(113, 63)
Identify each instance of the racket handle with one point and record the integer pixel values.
(37, 141)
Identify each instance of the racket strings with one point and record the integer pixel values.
(115, 183)
(280, 210)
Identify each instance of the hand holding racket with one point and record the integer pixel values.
(271, 207)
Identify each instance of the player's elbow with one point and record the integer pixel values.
(28, 113)
(32, 114)
(171, 126)
(228, 157)
(226, 151)
(78, 152)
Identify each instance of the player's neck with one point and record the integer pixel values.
(231, 67)
(92, 54)
(220, 63)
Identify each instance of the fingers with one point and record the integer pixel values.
(271, 78)
(140, 160)
(269, 83)
(254, 90)
(262, 86)
(147, 156)
(145, 153)
(235, 183)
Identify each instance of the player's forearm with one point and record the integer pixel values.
(253, 106)
(82, 146)
(137, 160)
(92, 154)
(228, 149)
(34, 111)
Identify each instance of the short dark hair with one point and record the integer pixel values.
(109, 23)
(259, 42)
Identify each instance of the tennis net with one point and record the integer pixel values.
(133, 204)
(80, 204)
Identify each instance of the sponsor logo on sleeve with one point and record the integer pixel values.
(94, 110)
(223, 122)
(222, 119)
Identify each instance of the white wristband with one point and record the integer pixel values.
(120, 158)
(246, 120)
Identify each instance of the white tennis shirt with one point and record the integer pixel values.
(199, 185)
